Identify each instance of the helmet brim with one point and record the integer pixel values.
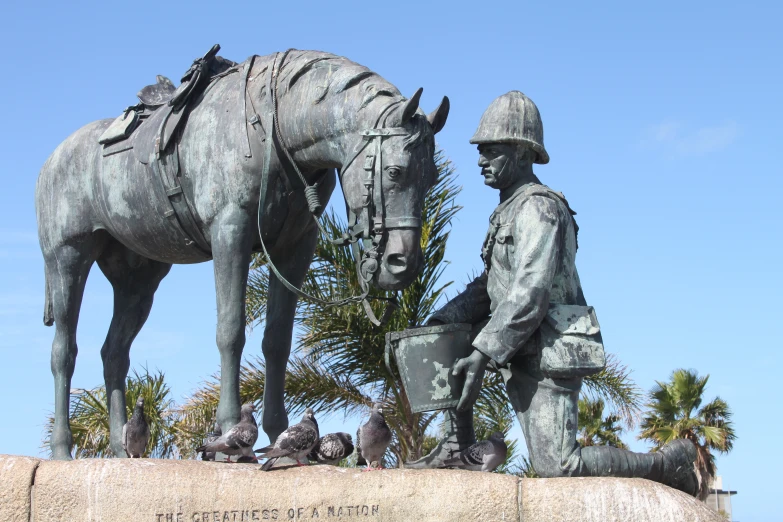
(542, 156)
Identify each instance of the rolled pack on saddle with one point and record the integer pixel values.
(164, 96)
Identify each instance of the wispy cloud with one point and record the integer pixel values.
(680, 140)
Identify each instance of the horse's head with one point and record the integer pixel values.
(384, 182)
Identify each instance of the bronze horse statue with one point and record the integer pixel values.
(218, 185)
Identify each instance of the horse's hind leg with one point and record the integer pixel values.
(134, 280)
(67, 267)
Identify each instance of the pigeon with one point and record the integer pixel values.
(211, 437)
(481, 456)
(136, 432)
(295, 442)
(372, 439)
(238, 440)
(332, 448)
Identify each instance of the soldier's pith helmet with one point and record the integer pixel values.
(513, 118)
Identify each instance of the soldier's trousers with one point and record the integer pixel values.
(548, 412)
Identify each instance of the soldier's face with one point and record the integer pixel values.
(498, 162)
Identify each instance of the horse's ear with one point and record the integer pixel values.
(437, 118)
(411, 106)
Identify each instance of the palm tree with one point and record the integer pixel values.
(90, 417)
(338, 364)
(594, 428)
(676, 412)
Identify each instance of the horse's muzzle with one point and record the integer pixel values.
(402, 259)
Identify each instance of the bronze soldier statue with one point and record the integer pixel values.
(524, 304)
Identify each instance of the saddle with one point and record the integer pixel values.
(159, 117)
(164, 96)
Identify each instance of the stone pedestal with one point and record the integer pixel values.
(115, 490)
(16, 482)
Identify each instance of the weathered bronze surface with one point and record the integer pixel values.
(424, 357)
(532, 319)
(185, 188)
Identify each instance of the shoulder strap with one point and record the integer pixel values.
(543, 190)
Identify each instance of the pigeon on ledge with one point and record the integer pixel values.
(481, 456)
(136, 432)
(332, 448)
(238, 440)
(295, 442)
(372, 439)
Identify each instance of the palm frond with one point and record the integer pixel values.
(310, 385)
(89, 417)
(594, 428)
(614, 385)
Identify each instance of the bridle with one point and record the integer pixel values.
(370, 231)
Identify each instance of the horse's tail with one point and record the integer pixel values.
(48, 317)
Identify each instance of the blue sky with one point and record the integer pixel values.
(663, 121)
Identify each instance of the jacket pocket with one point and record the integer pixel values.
(503, 252)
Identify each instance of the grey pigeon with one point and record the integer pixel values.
(295, 442)
(372, 439)
(332, 448)
(481, 456)
(211, 437)
(238, 440)
(136, 432)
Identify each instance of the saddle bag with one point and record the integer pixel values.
(570, 342)
(120, 128)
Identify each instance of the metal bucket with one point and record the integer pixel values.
(425, 357)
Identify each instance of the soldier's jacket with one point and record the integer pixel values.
(529, 257)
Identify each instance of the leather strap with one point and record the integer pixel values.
(262, 200)
(366, 265)
(243, 90)
(166, 167)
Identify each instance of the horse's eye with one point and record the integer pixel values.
(393, 172)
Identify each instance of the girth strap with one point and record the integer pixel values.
(166, 167)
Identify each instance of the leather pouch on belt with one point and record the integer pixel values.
(571, 344)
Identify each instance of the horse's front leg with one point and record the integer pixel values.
(280, 311)
(232, 234)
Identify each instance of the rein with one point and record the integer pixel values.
(370, 232)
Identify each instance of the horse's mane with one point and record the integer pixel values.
(345, 75)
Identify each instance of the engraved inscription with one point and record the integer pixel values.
(170, 517)
(297, 513)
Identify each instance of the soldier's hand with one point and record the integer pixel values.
(473, 367)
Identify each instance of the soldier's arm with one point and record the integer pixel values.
(535, 255)
(469, 306)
